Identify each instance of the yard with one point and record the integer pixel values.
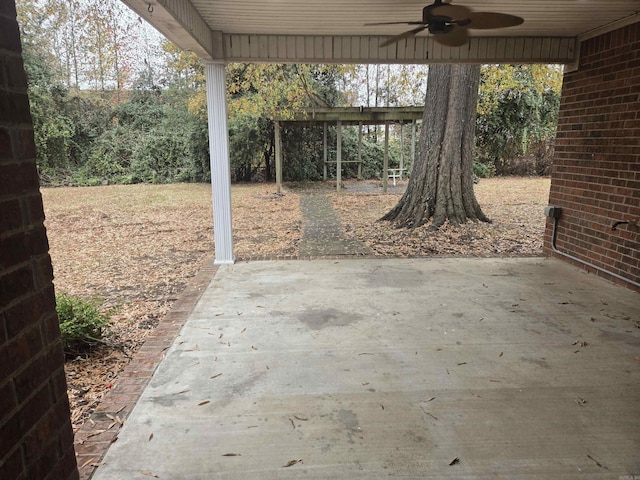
(135, 247)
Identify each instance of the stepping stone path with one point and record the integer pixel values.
(322, 230)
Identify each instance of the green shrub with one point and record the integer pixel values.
(82, 324)
(482, 170)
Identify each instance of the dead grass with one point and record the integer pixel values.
(514, 205)
(136, 247)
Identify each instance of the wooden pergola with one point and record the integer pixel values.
(350, 116)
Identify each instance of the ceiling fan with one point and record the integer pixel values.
(449, 23)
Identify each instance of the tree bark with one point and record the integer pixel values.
(441, 183)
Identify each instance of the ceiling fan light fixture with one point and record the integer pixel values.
(449, 23)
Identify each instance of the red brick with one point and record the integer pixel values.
(23, 347)
(16, 178)
(13, 250)
(37, 372)
(65, 468)
(12, 467)
(8, 400)
(597, 152)
(10, 434)
(6, 150)
(15, 284)
(29, 311)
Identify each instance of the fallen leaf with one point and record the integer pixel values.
(150, 436)
(454, 461)
(596, 461)
(501, 353)
(291, 463)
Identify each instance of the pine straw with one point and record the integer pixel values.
(135, 247)
(514, 205)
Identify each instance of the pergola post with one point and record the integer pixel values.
(324, 150)
(278, 145)
(220, 163)
(401, 149)
(385, 162)
(359, 150)
(339, 157)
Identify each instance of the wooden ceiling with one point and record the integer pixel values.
(333, 31)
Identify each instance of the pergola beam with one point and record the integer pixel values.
(354, 115)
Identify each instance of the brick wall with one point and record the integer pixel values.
(36, 439)
(596, 172)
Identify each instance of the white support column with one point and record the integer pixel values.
(278, 145)
(339, 157)
(220, 165)
(324, 149)
(385, 160)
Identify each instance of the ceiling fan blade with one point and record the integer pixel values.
(394, 23)
(454, 12)
(489, 20)
(402, 36)
(455, 38)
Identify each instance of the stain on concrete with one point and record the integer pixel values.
(540, 362)
(328, 317)
(247, 384)
(394, 277)
(625, 337)
(349, 422)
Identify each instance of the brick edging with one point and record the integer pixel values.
(378, 257)
(101, 429)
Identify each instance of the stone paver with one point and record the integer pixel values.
(322, 230)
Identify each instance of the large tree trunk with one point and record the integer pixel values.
(441, 184)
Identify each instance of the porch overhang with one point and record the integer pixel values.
(293, 31)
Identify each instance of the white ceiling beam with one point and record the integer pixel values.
(180, 22)
(419, 50)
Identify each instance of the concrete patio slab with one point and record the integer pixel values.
(414, 368)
